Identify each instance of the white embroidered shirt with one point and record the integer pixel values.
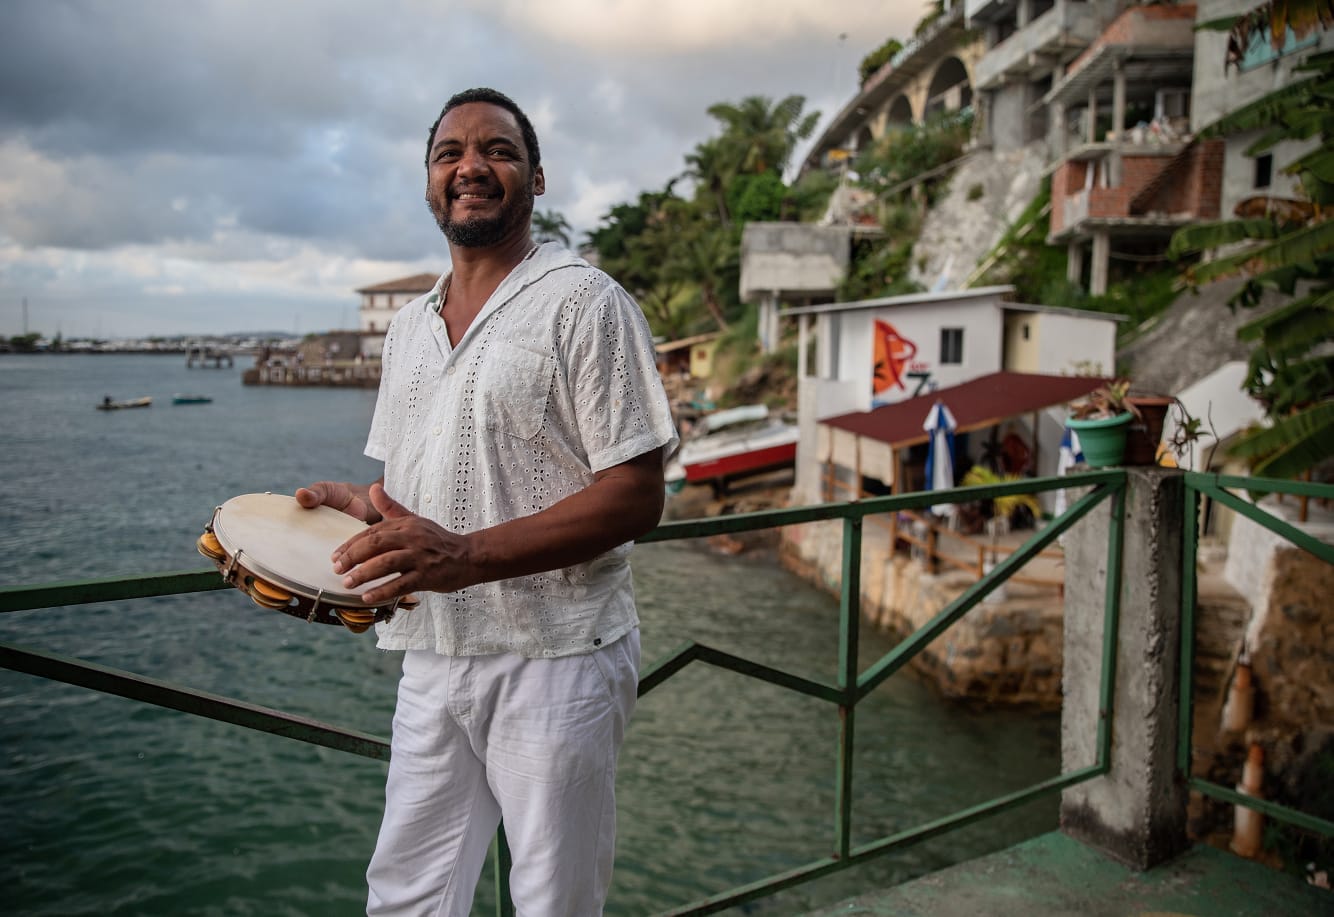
(554, 380)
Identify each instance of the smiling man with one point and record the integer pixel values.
(523, 429)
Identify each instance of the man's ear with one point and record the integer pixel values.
(539, 182)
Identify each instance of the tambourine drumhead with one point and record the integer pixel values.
(289, 546)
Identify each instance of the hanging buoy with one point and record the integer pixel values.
(1249, 823)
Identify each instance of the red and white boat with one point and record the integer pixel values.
(732, 444)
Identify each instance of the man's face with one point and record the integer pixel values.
(479, 184)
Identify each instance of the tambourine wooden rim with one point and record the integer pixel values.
(277, 552)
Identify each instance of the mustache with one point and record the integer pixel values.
(473, 187)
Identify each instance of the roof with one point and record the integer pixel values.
(417, 283)
(979, 403)
(881, 302)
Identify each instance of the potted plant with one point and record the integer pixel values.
(1101, 419)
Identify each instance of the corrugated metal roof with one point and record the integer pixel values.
(981, 402)
(417, 283)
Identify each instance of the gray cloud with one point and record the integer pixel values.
(240, 133)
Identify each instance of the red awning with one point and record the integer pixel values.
(982, 402)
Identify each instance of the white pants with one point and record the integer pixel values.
(479, 738)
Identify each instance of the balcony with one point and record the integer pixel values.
(1050, 40)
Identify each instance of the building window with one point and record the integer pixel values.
(1025, 330)
(1264, 170)
(951, 345)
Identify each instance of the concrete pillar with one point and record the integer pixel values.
(803, 343)
(1091, 129)
(768, 323)
(1118, 121)
(1102, 251)
(1056, 130)
(1023, 14)
(1074, 261)
(1136, 813)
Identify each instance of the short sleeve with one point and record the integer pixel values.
(622, 408)
(380, 436)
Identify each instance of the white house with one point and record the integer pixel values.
(884, 351)
(381, 301)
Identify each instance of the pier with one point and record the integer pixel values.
(335, 374)
(208, 357)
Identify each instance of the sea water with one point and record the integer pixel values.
(115, 807)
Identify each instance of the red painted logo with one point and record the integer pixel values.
(893, 358)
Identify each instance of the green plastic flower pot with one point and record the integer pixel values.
(1102, 439)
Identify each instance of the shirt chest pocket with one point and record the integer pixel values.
(513, 386)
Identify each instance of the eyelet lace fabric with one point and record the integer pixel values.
(555, 380)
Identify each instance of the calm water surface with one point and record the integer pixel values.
(112, 807)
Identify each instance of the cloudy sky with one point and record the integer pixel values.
(215, 166)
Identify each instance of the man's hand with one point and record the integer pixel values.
(425, 556)
(346, 498)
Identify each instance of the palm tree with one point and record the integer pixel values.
(709, 165)
(758, 137)
(551, 226)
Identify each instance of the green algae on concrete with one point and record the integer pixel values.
(1055, 875)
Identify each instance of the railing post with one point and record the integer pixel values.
(849, 628)
(1136, 812)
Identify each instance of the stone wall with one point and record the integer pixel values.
(1001, 651)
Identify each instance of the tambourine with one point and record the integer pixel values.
(277, 552)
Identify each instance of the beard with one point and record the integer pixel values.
(480, 231)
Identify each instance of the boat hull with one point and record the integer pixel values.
(740, 463)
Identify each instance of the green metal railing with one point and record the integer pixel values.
(849, 688)
(1219, 488)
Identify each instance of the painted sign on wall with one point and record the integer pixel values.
(898, 374)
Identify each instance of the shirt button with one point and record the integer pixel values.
(436, 431)
(451, 369)
(426, 497)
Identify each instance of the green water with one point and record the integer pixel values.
(111, 807)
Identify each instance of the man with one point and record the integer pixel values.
(523, 428)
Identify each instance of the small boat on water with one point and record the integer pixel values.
(190, 399)
(109, 405)
(733, 443)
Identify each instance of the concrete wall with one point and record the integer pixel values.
(1070, 345)
(1239, 171)
(1219, 402)
(1216, 92)
(1007, 115)
(921, 326)
(1021, 342)
(792, 258)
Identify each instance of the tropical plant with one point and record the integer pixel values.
(759, 136)
(1284, 245)
(551, 226)
(902, 155)
(1108, 400)
(878, 58)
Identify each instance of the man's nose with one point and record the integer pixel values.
(471, 162)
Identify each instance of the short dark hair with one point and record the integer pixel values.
(491, 97)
